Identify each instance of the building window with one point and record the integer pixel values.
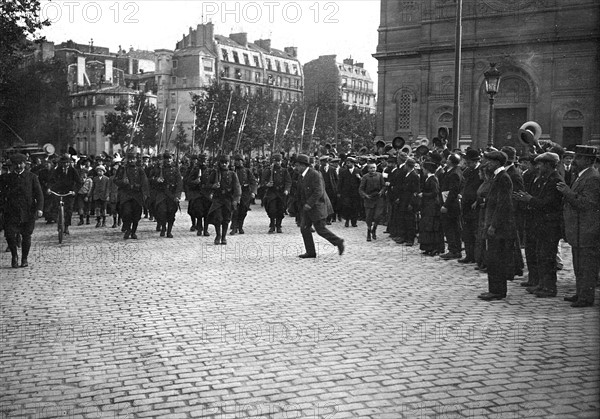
(257, 77)
(354, 84)
(269, 67)
(238, 74)
(173, 113)
(184, 81)
(360, 85)
(246, 59)
(236, 59)
(225, 72)
(247, 74)
(287, 67)
(297, 83)
(295, 69)
(175, 64)
(278, 82)
(404, 111)
(224, 54)
(286, 82)
(207, 64)
(174, 81)
(256, 62)
(270, 79)
(346, 97)
(278, 65)
(279, 96)
(173, 98)
(288, 97)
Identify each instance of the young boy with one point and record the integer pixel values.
(99, 194)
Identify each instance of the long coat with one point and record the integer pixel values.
(20, 197)
(582, 210)
(135, 188)
(311, 191)
(499, 209)
(348, 185)
(450, 186)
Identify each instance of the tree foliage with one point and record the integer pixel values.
(260, 133)
(19, 22)
(125, 127)
(36, 105)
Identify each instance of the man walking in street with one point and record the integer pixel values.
(248, 185)
(277, 182)
(21, 202)
(133, 191)
(315, 207)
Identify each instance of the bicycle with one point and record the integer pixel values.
(61, 214)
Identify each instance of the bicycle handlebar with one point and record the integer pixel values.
(62, 195)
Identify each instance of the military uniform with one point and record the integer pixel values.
(168, 186)
(226, 195)
(133, 191)
(248, 186)
(198, 195)
(278, 183)
(348, 185)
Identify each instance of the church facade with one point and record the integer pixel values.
(546, 50)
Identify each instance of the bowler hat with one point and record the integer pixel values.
(303, 159)
(473, 155)
(238, 157)
(498, 156)
(430, 166)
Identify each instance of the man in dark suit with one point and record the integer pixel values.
(65, 179)
(315, 207)
(582, 224)
(499, 226)
(21, 201)
(450, 186)
(349, 182)
(566, 167)
(331, 184)
(518, 186)
(543, 222)
(277, 183)
(470, 210)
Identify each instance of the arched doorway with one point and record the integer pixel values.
(511, 110)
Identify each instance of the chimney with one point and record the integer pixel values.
(361, 65)
(241, 38)
(80, 70)
(108, 71)
(293, 51)
(205, 35)
(349, 61)
(264, 44)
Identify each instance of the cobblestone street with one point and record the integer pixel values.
(180, 328)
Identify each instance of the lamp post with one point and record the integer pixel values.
(492, 83)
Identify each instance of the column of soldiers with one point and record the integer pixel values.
(477, 202)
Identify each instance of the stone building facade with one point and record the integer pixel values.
(202, 57)
(546, 50)
(326, 76)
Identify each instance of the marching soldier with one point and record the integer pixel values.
(198, 195)
(168, 186)
(277, 182)
(372, 188)
(226, 196)
(133, 191)
(248, 185)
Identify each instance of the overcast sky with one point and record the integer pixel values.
(345, 28)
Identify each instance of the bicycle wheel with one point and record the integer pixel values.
(61, 223)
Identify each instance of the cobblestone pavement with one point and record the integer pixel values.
(102, 327)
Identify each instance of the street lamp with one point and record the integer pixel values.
(492, 83)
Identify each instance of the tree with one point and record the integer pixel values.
(181, 139)
(126, 127)
(117, 125)
(37, 106)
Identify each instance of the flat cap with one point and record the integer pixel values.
(548, 156)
